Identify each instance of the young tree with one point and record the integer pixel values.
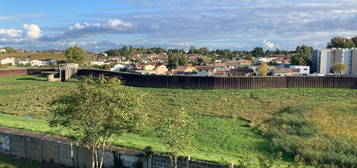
(76, 54)
(263, 69)
(177, 130)
(338, 68)
(99, 109)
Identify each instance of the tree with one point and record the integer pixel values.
(303, 55)
(100, 108)
(176, 59)
(340, 42)
(338, 68)
(258, 52)
(354, 39)
(9, 49)
(177, 132)
(263, 69)
(76, 54)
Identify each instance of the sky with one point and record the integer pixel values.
(97, 25)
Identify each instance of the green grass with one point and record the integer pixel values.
(9, 162)
(222, 134)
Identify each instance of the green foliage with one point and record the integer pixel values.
(176, 130)
(76, 54)
(303, 55)
(217, 113)
(338, 68)
(258, 52)
(9, 50)
(354, 39)
(9, 162)
(176, 59)
(341, 42)
(99, 109)
(263, 69)
(292, 133)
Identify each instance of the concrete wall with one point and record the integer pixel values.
(354, 63)
(60, 151)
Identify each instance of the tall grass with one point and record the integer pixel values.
(292, 133)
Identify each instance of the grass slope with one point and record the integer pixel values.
(222, 135)
(8, 162)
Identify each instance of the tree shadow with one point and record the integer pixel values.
(31, 79)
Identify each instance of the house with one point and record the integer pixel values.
(114, 60)
(118, 67)
(286, 72)
(303, 70)
(220, 73)
(184, 70)
(241, 72)
(145, 72)
(148, 67)
(205, 70)
(265, 60)
(98, 62)
(161, 70)
(42, 62)
(23, 62)
(232, 65)
(8, 61)
(244, 62)
(221, 66)
(2, 50)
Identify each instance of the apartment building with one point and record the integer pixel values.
(323, 60)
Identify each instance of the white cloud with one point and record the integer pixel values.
(79, 30)
(32, 31)
(11, 33)
(29, 32)
(268, 44)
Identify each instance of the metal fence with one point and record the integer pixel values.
(196, 82)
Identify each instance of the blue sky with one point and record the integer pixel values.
(234, 24)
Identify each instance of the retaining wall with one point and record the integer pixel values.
(61, 151)
(196, 82)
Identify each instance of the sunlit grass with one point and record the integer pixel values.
(223, 135)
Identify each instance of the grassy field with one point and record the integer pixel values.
(222, 134)
(8, 162)
(24, 56)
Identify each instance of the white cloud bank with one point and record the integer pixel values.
(78, 30)
(268, 44)
(29, 32)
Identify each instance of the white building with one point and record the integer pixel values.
(2, 50)
(205, 70)
(99, 63)
(8, 61)
(118, 67)
(23, 62)
(43, 62)
(323, 60)
(304, 70)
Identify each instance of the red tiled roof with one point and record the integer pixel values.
(204, 67)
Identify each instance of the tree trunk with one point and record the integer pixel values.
(175, 161)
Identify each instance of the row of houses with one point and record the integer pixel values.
(222, 71)
(28, 62)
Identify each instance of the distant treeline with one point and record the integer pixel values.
(127, 51)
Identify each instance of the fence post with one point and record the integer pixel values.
(188, 161)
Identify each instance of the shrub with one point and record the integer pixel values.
(292, 133)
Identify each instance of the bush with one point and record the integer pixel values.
(292, 133)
